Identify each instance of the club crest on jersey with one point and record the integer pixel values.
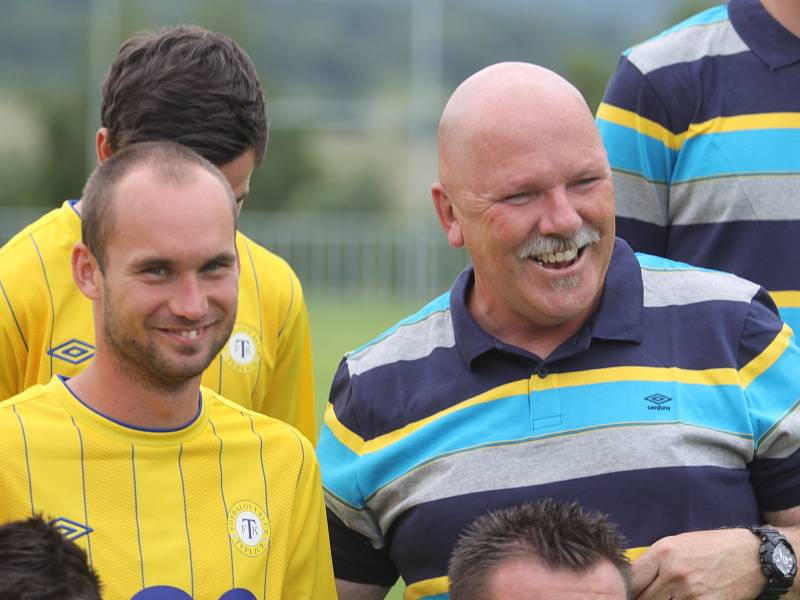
(243, 350)
(248, 527)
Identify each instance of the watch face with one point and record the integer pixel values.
(783, 559)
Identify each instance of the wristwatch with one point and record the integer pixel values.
(778, 562)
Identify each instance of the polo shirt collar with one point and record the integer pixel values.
(769, 40)
(618, 316)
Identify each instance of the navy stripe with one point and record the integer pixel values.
(440, 380)
(699, 91)
(136, 512)
(83, 488)
(647, 505)
(776, 489)
(16, 322)
(186, 518)
(717, 246)
(27, 459)
(224, 503)
(260, 318)
(52, 304)
(266, 498)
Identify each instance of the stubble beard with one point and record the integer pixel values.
(145, 364)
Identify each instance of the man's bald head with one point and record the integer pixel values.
(501, 99)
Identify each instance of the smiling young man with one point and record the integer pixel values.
(562, 365)
(171, 490)
(200, 89)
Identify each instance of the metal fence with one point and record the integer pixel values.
(339, 254)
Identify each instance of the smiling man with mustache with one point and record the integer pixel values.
(562, 365)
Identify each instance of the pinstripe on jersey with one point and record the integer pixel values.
(674, 409)
(702, 127)
(230, 501)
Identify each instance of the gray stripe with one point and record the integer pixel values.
(736, 198)
(360, 521)
(686, 45)
(409, 342)
(782, 442)
(640, 199)
(681, 287)
(559, 459)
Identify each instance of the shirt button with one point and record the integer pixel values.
(542, 372)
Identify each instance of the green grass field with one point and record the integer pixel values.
(344, 324)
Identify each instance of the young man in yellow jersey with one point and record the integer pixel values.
(201, 90)
(172, 490)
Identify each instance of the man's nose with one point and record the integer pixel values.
(189, 300)
(559, 216)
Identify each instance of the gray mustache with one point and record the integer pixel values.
(550, 244)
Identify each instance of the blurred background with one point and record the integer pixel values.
(355, 89)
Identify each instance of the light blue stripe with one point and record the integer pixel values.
(791, 316)
(337, 463)
(439, 304)
(637, 153)
(707, 17)
(775, 391)
(733, 152)
(659, 263)
(508, 420)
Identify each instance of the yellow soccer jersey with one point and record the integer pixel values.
(228, 507)
(46, 325)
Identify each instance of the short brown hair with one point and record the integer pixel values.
(38, 563)
(188, 85)
(558, 536)
(168, 159)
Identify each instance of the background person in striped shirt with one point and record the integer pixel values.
(702, 127)
(563, 365)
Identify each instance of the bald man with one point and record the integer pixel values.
(562, 365)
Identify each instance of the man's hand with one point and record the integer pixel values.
(701, 565)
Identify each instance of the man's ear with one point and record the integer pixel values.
(86, 271)
(101, 145)
(447, 216)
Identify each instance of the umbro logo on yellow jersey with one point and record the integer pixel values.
(70, 529)
(73, 351)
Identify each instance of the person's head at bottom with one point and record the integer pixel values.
(38, 563)
(539, 552)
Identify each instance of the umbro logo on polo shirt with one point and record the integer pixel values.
(658, 402)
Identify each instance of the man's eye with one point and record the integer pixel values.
(518, 198)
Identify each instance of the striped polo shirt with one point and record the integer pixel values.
(673, 409)
(702, 127)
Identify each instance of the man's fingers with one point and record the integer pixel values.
(643, 573)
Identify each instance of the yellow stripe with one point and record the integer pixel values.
(724, 376)
(627, 118)
(785, 120)
(427, 587)
(352, 440)
(767, 358)
(631, 120)
(634, 553)
(786, 299)
(713, 377)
